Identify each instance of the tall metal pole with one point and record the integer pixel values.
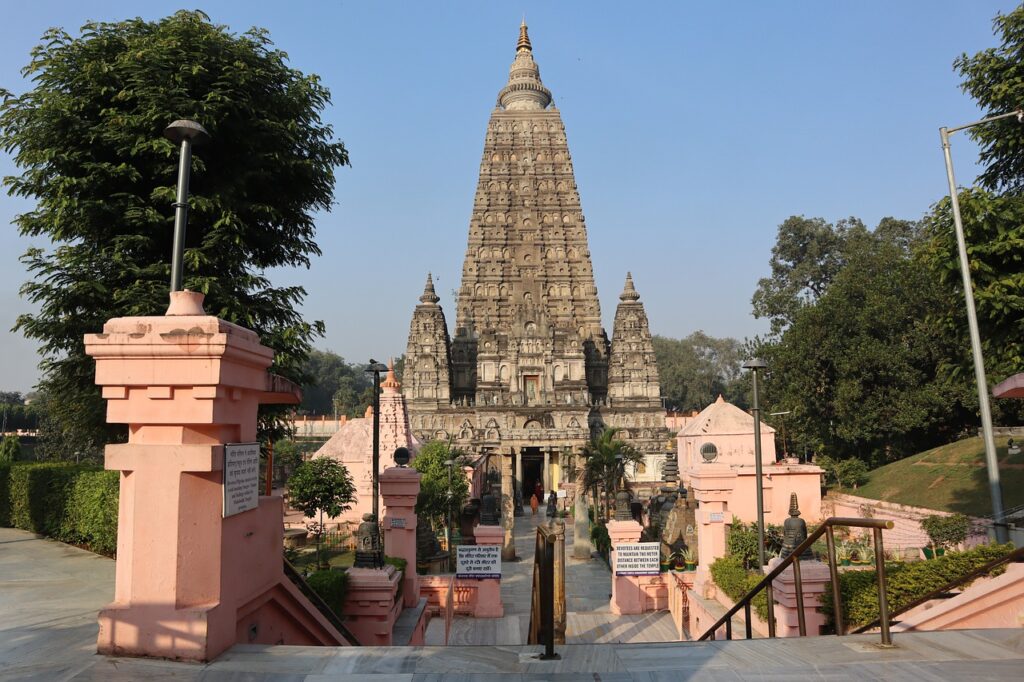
(991, 460)
(186, 133)
(376, 443)
(755, 366)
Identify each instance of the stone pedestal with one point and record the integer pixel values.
(581, 545)
(712, 486)
(399, 487)
(814, 576)
(489, 589)
(190, 583)
(627, 595)
(372, 605)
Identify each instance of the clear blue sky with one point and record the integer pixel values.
(695, 128)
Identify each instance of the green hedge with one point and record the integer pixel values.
(68, 502)
(905, 583)
(332, 586)
(736, 581)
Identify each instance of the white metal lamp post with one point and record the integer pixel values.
(991, 461)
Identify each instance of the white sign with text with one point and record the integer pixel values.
(478, 561)
(638, 558)
(241, 477)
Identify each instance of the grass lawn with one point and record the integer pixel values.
(307, 558)
(948, 478)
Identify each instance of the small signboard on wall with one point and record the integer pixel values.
(241, 477)
(478, 561)
(638, 558)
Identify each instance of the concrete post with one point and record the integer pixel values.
(399, 487)
(488, 603)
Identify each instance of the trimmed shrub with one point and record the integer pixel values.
(731, 576)
(602, 541)
(331, 586)
(68, 502)
(905, 583)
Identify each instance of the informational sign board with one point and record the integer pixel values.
(397, 522)
(478, 561)
(241, 477)
(638, 558)
(717, 517)
(560, 494)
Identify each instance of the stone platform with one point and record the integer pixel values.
(50, 594)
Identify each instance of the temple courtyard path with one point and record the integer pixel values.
(50, 594)
(588, 587)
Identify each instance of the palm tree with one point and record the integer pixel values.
(605, 467)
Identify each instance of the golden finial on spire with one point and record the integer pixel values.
(524, 38)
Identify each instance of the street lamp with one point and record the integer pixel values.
(376, 368)
(755, 365)
(187, 134)
(991, 462)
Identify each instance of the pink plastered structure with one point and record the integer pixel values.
(189, 583)
(634, 594)
(352, 445)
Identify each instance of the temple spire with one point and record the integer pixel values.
(429, 295)
(524, 38)
(629, 292)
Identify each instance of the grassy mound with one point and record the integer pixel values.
(949, 478)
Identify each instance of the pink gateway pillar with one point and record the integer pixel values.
(190, 583)
(399, 487)
(627, 594)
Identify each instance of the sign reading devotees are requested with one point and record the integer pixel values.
(638, 558)
(241, 477)
(478, 561)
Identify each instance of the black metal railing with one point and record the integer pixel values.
(292, 574)
(542, 605)
(827, 529)
(943, 592)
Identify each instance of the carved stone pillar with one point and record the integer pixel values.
(508, 549)
(519, 492)
(545, 454)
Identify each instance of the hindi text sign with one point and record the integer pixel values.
(638, 558)
(241, 477)
(478, 561)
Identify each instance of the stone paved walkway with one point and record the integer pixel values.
(587, 594)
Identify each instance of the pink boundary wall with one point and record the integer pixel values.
(988, 603)
(189, 583)
(634, 594)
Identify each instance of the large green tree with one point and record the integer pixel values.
(696, 369)
(87, 138)
(443, 489)
(859, 367)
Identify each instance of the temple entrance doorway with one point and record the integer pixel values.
(533, 476)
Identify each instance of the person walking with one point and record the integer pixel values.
(534, 504)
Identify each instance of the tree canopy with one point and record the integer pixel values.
(694, 370)
(88, 141)
(443, 489)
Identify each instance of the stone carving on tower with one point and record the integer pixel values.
(526, 374)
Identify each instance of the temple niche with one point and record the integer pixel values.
(530, 373)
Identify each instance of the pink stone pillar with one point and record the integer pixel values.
(188, 582)
(712, 485)
(814, 576)
(489, 591)
(372, 605)
(627, 596)
(399, 487)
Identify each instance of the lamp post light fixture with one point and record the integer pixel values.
(376, 368)
(187, 134)
(755, 365)
(991, 461)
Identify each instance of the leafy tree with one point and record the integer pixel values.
(808, 254)
(321, 485)
(946, 530)
(337, 387)
(443, 489)
(605, 464)
(88, 141)
(858, 367)
(695, 370)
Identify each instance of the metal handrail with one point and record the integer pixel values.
(1015, 555)
(826, 529)
(321, 606)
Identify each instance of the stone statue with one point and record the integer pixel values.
(794, 531)
(622, 508)
(679, 530)
(552, 504)
(427, 547)
(489, 509)
(368, 554)
(468, 518)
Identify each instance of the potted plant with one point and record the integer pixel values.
(945, 531)
(843, 555)
(678, 559)
(666, 563)
(690, 557)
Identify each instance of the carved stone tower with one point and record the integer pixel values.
(526, 375)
